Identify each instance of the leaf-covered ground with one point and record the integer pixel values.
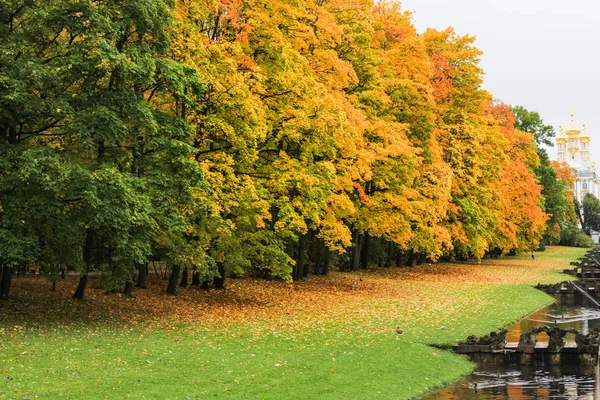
(323, 338)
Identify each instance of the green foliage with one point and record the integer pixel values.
(531, 122)
(39, 195)
(554, 194)
(590, 212)
(572, 235)
(85, 146)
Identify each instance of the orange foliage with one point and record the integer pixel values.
(564, 172)
(411, 148)
(521, 220)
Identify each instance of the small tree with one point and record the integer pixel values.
(590, 213)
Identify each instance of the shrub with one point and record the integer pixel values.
(572, 235)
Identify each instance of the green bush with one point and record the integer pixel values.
(572, 235)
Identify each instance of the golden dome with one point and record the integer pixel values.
(561, 136)
(572, 130)
(561, 131)
(584, 136)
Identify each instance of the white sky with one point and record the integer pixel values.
(541, 54)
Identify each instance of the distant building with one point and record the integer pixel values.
(574, 148)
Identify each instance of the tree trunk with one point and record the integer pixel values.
(128, 291)
(301, 259)
(312, 252)
(295, 271)
(195, 278)
(364, 254)
(83, 279)
(205, 284)
(580, 215)
(219, 281)
(390, 252)
(356, 241)
(142, 275)
(172, 287)
(382, 258)
(411, 258)
(399, 256)
(184, 278)
(326, 263)
(319, 254)
(87, 258)
(305, 270)
(5, 282)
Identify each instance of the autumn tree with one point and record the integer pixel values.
(566, 175)
(554, 192)
(472, 144)
(522, 218)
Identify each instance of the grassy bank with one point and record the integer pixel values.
(324, 338)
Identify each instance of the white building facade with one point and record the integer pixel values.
(573, 146)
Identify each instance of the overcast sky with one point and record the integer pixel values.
(541, 54)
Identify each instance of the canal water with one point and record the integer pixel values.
(537, 381)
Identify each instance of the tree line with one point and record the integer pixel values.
(280, 137)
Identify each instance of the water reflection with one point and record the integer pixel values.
(569, 311)
(522, 382)
(537, 381)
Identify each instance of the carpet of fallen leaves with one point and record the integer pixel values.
(339, 297)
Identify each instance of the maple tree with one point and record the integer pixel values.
(522, 219)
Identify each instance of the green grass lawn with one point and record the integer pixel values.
(346, 352)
